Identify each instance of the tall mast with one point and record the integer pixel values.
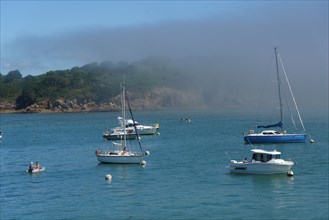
(124, 111)
(279, 87)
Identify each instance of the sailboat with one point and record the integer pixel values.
(280, 135)
(122, 154)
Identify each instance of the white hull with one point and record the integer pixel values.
(118, 157)
(269, 167)
(147, 131)
(263, 162)
(141, 129)
(36, 170)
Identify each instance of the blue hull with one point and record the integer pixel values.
(286, 138)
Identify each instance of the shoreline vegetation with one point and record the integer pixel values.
(95, 87)
(152, 84)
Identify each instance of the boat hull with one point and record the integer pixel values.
(147, 131)
(284, 138)
(119, 136)
(36, 170)
(259, 168)
(120, 159)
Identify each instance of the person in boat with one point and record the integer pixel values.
(124, 151)
(37, 165)
(245, 160)
(31, 167)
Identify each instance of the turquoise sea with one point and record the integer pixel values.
(186, 175)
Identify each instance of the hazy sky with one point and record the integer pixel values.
(223, 40)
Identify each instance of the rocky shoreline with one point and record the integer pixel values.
(59, 106)
(160, 99)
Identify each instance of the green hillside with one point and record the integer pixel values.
(98, 83)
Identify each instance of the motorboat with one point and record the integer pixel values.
(262, 162)
(141, 129)
(36, 170)
(119, 132)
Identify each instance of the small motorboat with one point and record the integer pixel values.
(36, 170)
(263, 162)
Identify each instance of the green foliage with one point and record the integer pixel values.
(10, 85)
(91, 82)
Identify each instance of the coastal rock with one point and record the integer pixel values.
(157, 99)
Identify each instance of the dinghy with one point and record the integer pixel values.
(36, 170)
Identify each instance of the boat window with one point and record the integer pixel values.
(277, 156)
(262, 158)
(269, 157)
(258, 157)
(277, 132)
(254, 156)
(268, 133)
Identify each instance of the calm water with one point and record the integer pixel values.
(185, 176)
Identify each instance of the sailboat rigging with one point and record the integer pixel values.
(275, 136)
(123, 155)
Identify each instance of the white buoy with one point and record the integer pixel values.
(108, 176)
(290, 173)
(311, 141)
(143, 162)
(147, 152)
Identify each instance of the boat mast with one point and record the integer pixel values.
(134, 123)
(123, 111)
(279, 87)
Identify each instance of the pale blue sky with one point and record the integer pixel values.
(49, 17)
(39, 36)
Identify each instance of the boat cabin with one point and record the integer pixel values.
(271, 132)
(264, 156)
(130, 123)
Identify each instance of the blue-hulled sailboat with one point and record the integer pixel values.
(280, 135)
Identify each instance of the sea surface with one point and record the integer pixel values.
(186, 175)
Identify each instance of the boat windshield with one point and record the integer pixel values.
(264, 157)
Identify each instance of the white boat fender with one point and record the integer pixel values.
(143, 162)
(290, 173)
(147, 152)
(108, 176)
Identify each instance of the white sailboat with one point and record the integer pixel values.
(122, 154)
(278, 136)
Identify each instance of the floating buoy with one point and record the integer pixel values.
(158, 133)
(143, 162)
(311, 141)
(108, 176)
(290, 173)
(147, 152)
